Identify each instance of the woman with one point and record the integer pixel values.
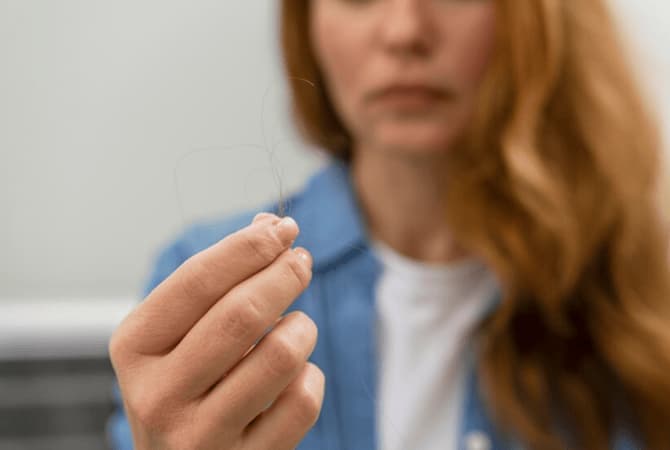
(483, 260)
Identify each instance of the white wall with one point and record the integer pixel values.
(100, 103)
(100, 100)
(647, 26)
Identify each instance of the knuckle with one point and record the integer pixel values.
(194, 282)
(308, 330)
(264, 246)
(116, 348)
(282, 354)
(242, 320)
(146, 408)
(307, 401)
(153, 407)
(123, 354)
(121, 349)
(295, 270)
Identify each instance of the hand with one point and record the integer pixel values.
(189, 373)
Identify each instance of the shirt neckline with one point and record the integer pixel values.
(396, 262)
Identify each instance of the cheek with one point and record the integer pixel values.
(476, 41)
(338, 46)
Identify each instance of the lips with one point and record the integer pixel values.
(408, 96)
(411, 89)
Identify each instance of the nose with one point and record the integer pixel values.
(405, 28)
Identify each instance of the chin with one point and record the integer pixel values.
(416, 139)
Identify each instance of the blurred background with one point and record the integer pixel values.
(121, 122)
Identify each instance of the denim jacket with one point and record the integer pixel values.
(340, 300)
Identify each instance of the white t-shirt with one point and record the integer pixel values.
(424, 314)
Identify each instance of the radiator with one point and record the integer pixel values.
(55, 377)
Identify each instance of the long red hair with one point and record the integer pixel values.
(556, 186)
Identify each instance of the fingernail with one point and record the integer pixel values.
(304, 255)
(287, 230)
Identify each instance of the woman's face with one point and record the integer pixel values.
(403, 74)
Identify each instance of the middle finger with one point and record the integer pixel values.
(220, 339)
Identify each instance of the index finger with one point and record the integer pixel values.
(176, 304)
